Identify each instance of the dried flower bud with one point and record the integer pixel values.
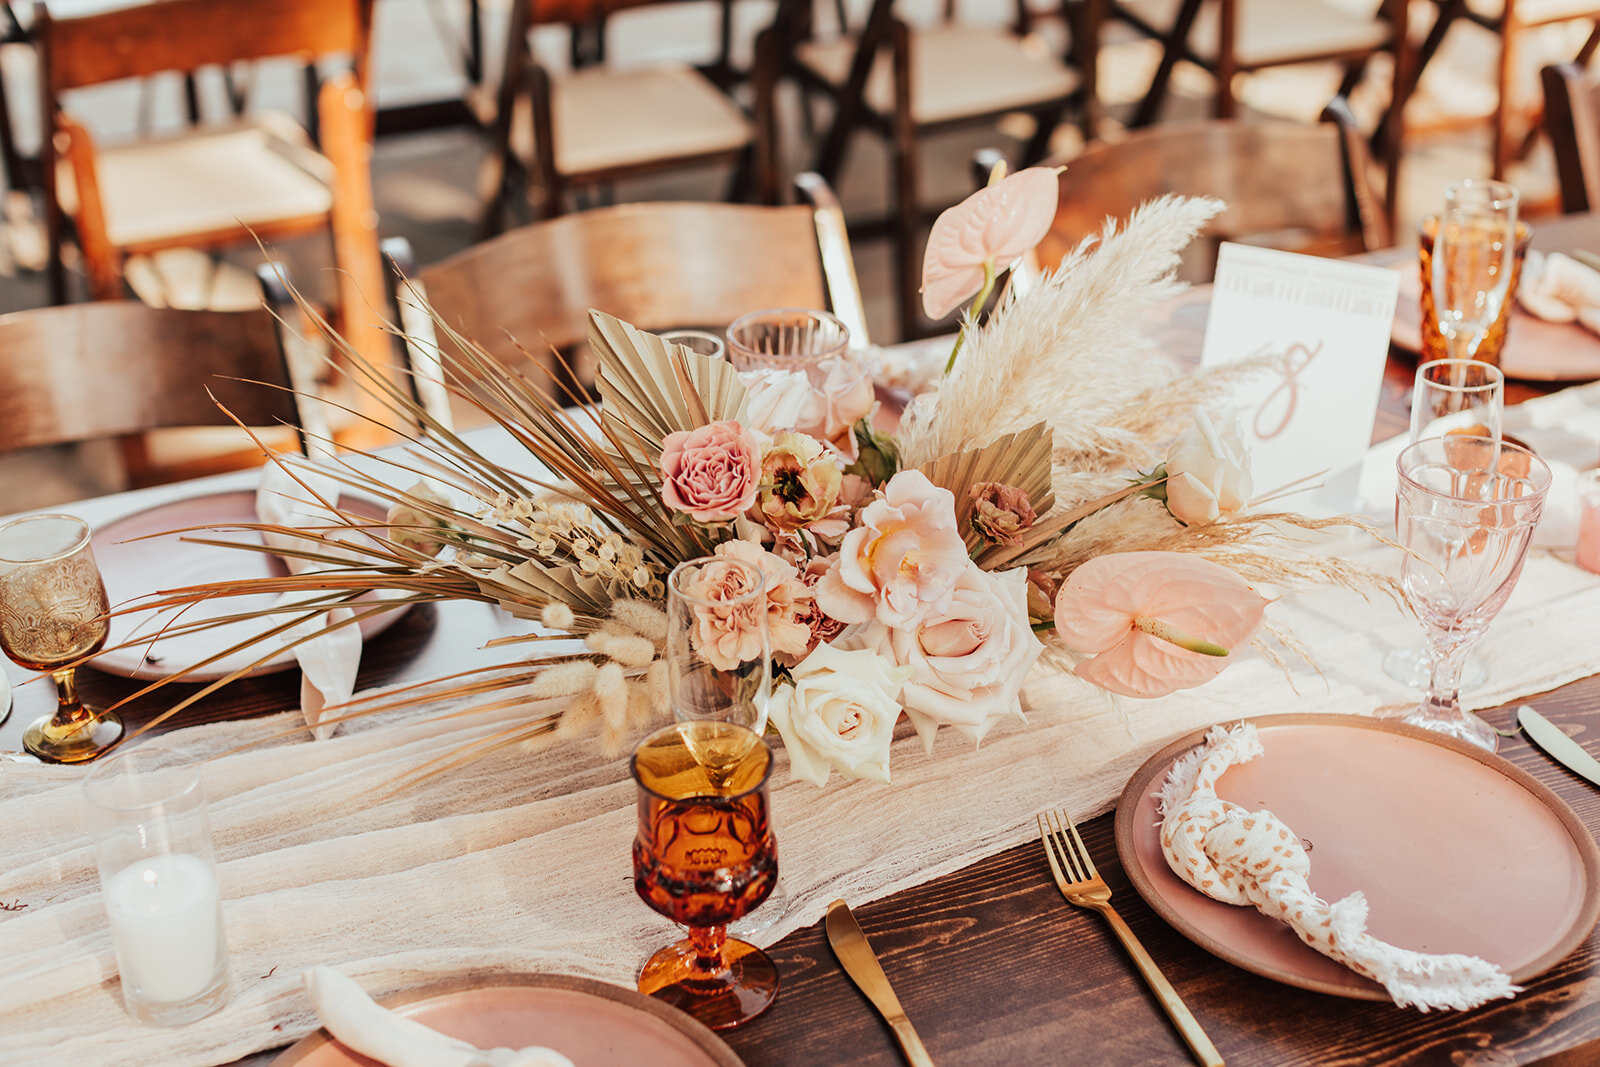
(1001, 513)
(1042, 589)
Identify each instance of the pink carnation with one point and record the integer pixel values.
(712, 473)
(787, 598)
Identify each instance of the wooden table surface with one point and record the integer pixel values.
(991, 964)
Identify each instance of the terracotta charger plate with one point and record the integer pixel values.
(135, 564)
(1535, 350)
(591, 1023)
(1456, 850)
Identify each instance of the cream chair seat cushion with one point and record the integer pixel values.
(606, 118)
(1272, 32)
(160, 192)
(956, 72)
(1534, 12)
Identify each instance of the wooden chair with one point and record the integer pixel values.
(1572, 120)
(82, 372)
(1509, 21)
(216, 186)
(1287, 185)
(659, 266)
(1231, 37)
(596, 123)
(902, 84)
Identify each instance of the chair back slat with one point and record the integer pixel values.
(88, 371)
(1572, 119)
(169, 35)
(658, 266)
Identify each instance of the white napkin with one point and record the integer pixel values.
(328, 663)
(1557, 288)
(1250, 857)
(352, 1017)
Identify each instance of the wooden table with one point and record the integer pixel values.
(991, 964)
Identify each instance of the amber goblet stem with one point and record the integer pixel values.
(709, 942)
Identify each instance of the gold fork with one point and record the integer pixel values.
(1082, 885)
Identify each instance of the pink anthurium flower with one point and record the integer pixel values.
(1155, 622)
(984, 234)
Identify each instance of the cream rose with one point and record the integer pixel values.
(839, 714)
(968, 664)
(779, 399)
(1208, 472)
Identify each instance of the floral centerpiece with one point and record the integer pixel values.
(1062, 496)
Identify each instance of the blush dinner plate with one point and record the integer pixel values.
(1456, 849)
(591, 1023)
(1535, 350)
(135, 564)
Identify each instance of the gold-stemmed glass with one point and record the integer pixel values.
(52, 614)
(703, 856)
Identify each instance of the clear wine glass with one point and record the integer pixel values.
(1465, 511)
(704, 855)
(1474, 251)
(52, 615)
(1450, 396)
(709, 601)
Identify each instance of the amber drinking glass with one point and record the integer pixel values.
(53, 614)
(703, 856)
(1492, 345)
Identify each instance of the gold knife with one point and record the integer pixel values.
(1561, 748)
(859, 962)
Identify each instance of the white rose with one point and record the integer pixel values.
(779, 399)
(1208, 472)
(412, 524)
(839, 714)
(967, 664)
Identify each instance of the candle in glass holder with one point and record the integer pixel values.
(165, 914)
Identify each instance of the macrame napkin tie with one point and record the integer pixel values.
(1250, 857)
(374, 1031)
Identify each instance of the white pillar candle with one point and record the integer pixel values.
(165, 919)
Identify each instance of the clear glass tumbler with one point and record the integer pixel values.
(158, 875)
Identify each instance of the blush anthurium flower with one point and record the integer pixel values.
(1155, 622)
(971, 243)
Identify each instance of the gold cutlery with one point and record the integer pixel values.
(861, 964)
(1078, 881)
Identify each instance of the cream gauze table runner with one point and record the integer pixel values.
(521, 862)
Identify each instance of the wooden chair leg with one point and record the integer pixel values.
(1500, 150)
(1045, 122)
(1173, 47)
(908, 212)
(1227, 58)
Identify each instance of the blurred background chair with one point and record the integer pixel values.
(1572, 120)
(1287, 185)
(596, 122)
(1232, 37)
(120, 368)
(904, 84)
(526, 294)
(211, 187)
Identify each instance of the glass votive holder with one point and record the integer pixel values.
(703, 342)
(794, 339)
(1589, 521)
(158, 876)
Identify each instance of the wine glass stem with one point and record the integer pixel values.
(1463, 343)
(70, 709)
(708, 944)
(1445, 664)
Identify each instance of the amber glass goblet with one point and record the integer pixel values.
(704, 855)
(53, 614)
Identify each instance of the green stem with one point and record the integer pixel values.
(1167, 632)
(972, 312)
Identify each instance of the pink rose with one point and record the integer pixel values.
(969, 662)
(844, 397)
(711, 473)
(787, 599)
(902, 561)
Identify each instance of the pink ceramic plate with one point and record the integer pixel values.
(1456, 850)
(134, 568)
(1535, 350)
(591, 1023)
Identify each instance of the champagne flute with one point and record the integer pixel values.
(704, 855)
(1450, 396)
(1465, 512)
(52, 614)
(714, 604)
(1474, 251)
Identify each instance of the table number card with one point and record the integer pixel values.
(1327, 322)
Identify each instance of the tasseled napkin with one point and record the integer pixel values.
(368, 1028)
(1558, 288)
(1250, 857)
